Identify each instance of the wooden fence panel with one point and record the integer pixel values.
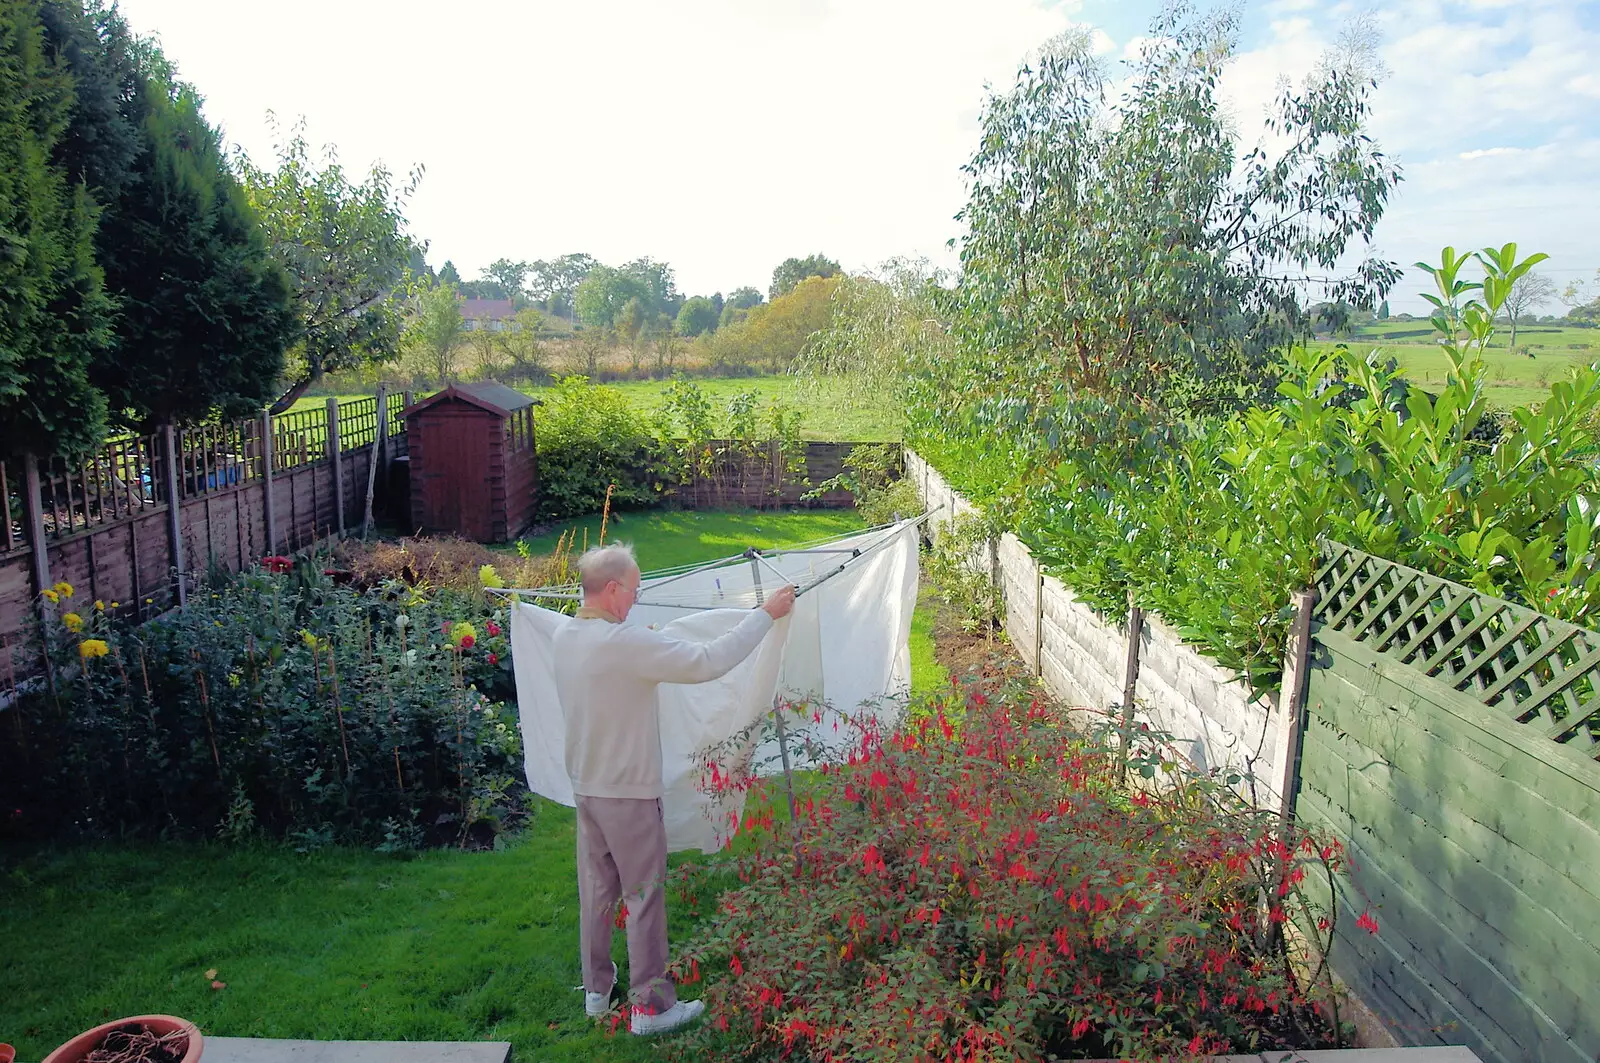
(1472, 815)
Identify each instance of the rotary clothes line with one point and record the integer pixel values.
(842, 655)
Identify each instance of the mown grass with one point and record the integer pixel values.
(666, 540)
(342, 943)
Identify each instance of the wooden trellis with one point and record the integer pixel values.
(1537, 670)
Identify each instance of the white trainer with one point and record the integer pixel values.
(676, 1017)
(597, 1004)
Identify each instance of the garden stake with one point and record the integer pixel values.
(205, 710)
(338, 709)
(605, 512)
(777, 716)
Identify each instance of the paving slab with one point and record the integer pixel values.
(272, 1050)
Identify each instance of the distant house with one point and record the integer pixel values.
(492, 314)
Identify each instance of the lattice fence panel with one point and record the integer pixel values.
(358, 423)
(1541, 672)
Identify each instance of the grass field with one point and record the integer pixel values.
(345, 944)
(1514, 378)
(828, 412)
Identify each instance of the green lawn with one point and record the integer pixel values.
(346, 944)
(830, 413)
(666, 540)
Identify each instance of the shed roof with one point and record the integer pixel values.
(496, 398)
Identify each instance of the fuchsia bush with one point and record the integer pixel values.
(995, 891)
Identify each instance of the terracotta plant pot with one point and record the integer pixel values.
(7, 1054)
(80, 1046)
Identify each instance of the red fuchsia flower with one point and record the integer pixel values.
(493, 629)
(493, 658)
(1367, 923)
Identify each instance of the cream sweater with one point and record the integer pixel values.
(606, 679)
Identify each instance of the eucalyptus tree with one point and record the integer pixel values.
(1126, 246)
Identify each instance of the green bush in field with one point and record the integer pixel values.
(590, 438)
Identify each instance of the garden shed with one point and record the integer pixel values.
(474, 471)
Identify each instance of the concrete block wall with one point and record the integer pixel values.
(1081, 659)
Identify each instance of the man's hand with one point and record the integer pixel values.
(780, 604)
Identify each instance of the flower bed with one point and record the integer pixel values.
(294, 700)
(991, 889)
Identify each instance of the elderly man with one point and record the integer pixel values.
(606, 679)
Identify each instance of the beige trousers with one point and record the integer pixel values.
(622, 856)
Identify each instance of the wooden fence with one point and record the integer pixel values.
(106, 525)
(755, 476)
(132, 523)
(1450, 742)
(1449, 739)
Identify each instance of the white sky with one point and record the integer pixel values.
(723, 136)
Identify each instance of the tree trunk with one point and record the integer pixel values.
(292, 396)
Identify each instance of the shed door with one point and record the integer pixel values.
(458, 497)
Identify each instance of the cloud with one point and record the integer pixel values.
(726, 135)
(1488, 108)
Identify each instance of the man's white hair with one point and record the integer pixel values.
(599, 565)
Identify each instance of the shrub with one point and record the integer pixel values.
(590, 437)
(448, 563)
(961, 566)
(994, 892)
(1214, 521)
(872, 474)
(742, 443)
(279, 703)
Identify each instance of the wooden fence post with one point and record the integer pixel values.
(1130, 674)
(1038, 617)
(169, 450)
(338, 462)
(378, 462)
(1292, 703)
(267, 509)
(33, 507)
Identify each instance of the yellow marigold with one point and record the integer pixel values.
(93, 648)
(489, 577)
(64, 589)
(73, 621)
(50, 595)
(99, 606)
